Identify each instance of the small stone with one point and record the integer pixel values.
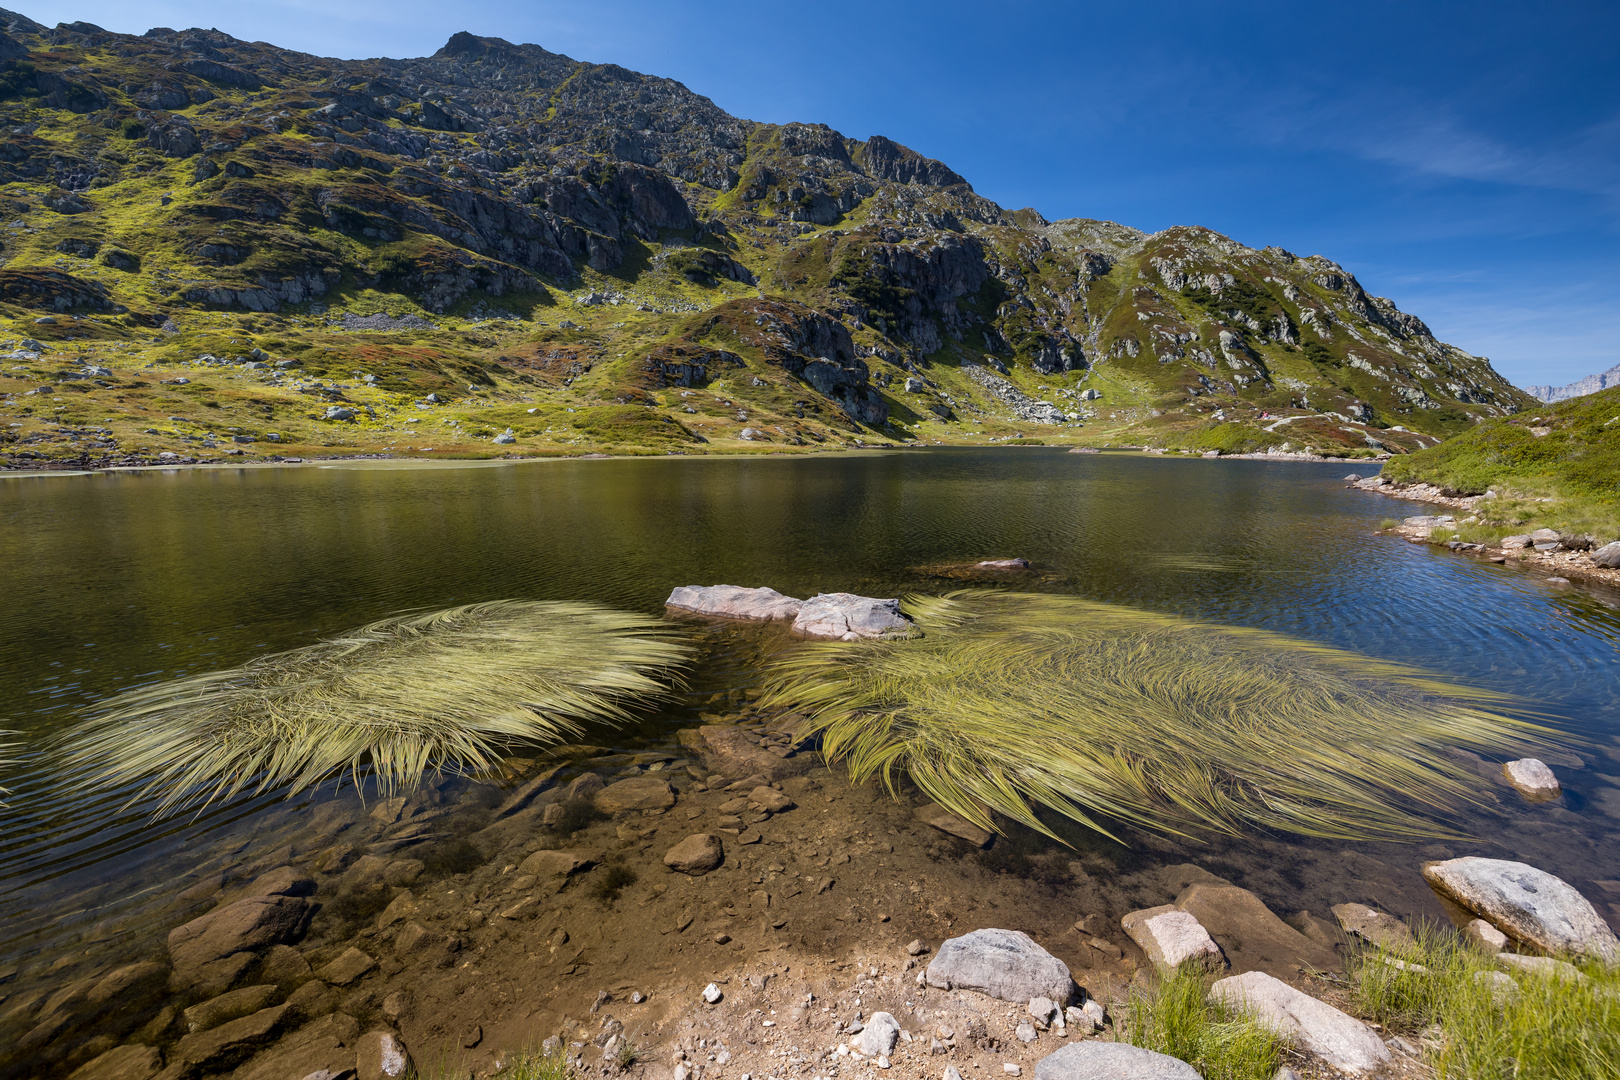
(1010, 1069)
(947, 822)
(473, 1037)
(379, 1055)
(712, 994)
(916, 948)
(951, 1073)
(1005, 964)
(1045, 1011)
(878, 1037)
(770, 800)
(1532, 779)
(348, 967)
(1025, 1032)
(696, 855)
(722, 938)
(394, 1005)
(1544, 966)
(637, 793)
(1500, 985)
(1483, 934)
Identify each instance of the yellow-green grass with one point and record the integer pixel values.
(1541, 1026)
(1015, 704)
(1174, 1016)
(397, 698)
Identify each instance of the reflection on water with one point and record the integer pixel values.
(115, 581)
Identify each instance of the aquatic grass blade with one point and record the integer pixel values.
(397, 698)
(1018, 704)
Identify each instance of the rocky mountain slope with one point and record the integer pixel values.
(527, 253)
(1603, 380)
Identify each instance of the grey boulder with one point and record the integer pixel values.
(1339, 1039)
(1005, 964)
(1171, 937)
(847, 617)
(734, 602)
(1532, 779)
(1111, 1061)
(1607, 556)
(1528, 905)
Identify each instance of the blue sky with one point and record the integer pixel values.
(1462, 159)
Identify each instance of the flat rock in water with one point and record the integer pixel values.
(1005, 964)
(945, 821)
(1251, 935)
(636, 793)
(1533, 779)
(351, 965)
(1341, 1040)
(122, 1063)
(734, 602)
(1372, 925)
(1528, 905)
(770, 801)
(325, 1045)
(238, 1003)
(847, 617)
(696, 855)
(1171, 937)
(553, 863)
(245, 926)
(1111, 1061)
(729, 750)
(222, 1047)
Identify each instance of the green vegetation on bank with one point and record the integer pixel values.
(1175, 1016)
(1556, 466)
(1479, 1020)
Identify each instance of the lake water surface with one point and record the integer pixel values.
(116, 580)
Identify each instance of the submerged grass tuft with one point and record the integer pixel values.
(403, 696)
(1012, 702)
(1175, 1017)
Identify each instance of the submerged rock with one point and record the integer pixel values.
(734, 602)
(1374, 926)
(696, 855)
(847, 617)
(1111, 1061)
(1171, 937)
(1528, 905)
(1251, 935)
(324, 1046)
(1532, 779)
(730, 751)
(1339, 1039)
(945, 821)
(220, 1048)
(636, 793)
(1005, 964)
(206, 948)
(231, 1006)
(122, 1063)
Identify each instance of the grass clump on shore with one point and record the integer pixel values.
(1175, 1017)
(1008, 703)
(1491, 1023)
(400, 697)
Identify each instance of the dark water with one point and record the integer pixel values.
(116, 580)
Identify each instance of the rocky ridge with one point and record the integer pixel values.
(829, 284)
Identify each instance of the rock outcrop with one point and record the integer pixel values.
(734, 602)
(847, 617)
(1341, 1040)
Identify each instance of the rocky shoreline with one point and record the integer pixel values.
(724, 908)
(1562, 558)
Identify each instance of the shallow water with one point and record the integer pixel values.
(119, 580)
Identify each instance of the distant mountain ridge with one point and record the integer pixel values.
(181, 176)
(1579, 388)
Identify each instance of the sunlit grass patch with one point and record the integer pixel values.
(1483, 1023)
(400, 697)
(1010, 703)
(1175, 1017)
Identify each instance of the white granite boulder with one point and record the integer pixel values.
(1337, 1038)
(1005, 964)
(1171, 937)
(734, 602)
(1528, 905)
(1111, 1061)
(847, 617)
(1532, 779)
